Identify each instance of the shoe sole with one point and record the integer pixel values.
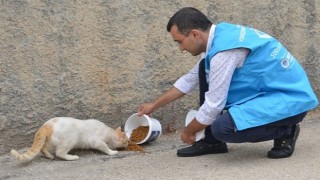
(200, 154)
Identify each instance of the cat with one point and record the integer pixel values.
(59, 135)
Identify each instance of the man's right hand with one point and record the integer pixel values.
(169, 96)
(146, 108)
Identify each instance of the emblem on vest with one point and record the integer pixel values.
(285, 63)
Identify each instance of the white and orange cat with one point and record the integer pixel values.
(58, 136)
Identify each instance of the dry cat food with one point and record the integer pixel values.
(134, 147)
(139, 134)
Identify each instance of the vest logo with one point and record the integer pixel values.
(276, 51)
(285, 63)
(242, 34)
(288, 61)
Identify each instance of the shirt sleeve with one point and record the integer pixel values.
(189, 81)
(222, 67)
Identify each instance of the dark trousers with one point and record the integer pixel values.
(223, 128)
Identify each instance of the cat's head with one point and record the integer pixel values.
(121, 139)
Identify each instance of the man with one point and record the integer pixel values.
(262, 88)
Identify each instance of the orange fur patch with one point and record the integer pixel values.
(42, 136)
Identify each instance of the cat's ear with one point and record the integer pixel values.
(119, 133)
(118, 129)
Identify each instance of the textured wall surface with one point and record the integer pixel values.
(101, 58)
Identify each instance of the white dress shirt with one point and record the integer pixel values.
(222, 66)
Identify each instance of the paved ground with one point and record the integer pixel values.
(244, 161)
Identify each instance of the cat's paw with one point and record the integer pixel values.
(111, 152)
(48, 156)
(71, 157)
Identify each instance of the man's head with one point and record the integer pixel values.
(190, 28)
(189, 18)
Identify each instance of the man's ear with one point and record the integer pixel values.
(195, 33)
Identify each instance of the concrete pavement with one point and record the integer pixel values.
(243, 161)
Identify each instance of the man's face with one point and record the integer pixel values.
(186, 42)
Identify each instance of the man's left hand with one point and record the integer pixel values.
(188, 138)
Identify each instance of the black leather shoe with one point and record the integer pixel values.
(284, 148)
(201, 148)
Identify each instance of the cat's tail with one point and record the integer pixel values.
(39, 140)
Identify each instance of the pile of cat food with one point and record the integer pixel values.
(137, 135)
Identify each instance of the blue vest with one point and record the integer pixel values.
(270, 86)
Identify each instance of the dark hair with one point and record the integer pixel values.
(189, 18)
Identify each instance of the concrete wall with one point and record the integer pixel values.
(101, 58)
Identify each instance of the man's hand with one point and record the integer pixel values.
(188, 137)
(146, 108)
(169, 96)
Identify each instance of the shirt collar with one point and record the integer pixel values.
(210, 39)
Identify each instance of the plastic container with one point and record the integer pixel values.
(134, 121)
(191, 114)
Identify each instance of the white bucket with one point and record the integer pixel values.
(191, 114)
(134, 121)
